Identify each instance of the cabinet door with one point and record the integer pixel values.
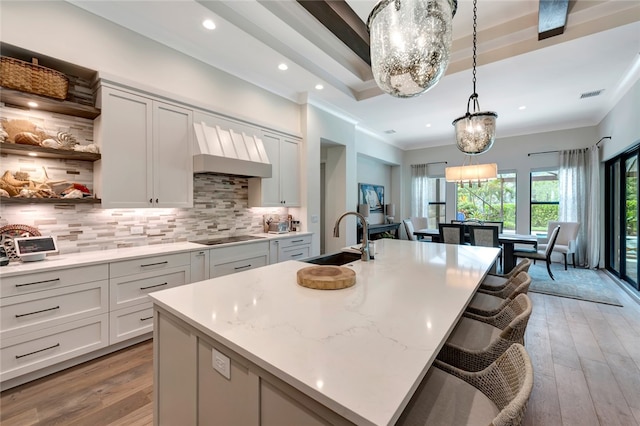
(172, 156)
(125, 137)
(271, 186)
(199, 265)
(289, 173)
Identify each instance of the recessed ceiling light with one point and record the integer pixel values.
(427, 125)
(209, 24)
(319, 87)
(523, 107)
(283, 67)
(32, 104)
(32, 154)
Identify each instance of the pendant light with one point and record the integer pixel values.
(475, 132)
(410, 44)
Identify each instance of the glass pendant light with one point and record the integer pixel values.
(410, 43)
(475, 132)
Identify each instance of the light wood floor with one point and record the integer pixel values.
(586, 359)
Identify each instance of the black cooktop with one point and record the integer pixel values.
(227, 240)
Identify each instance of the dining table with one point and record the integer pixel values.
(506, 240)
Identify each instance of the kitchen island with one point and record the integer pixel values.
(257, 348)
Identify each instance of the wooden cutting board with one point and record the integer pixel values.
(326, 277)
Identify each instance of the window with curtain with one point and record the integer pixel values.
(427, 195)
(494, 200)
(545, 199)
(572, 177)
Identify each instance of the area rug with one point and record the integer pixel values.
(578, 283)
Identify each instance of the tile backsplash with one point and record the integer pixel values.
(220, 209)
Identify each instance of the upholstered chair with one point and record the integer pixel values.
(498, 282)
(566, 242)
(408, 227)
(490, 304)
(451, 233)
(541, 254)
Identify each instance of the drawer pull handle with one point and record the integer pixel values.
(37, 312)
(200, 253)
(38, 351)
(39, 282)
(297, 241)
(147, 318)
(297, 255)
(152, 286)
(242, 267)
(154, 264)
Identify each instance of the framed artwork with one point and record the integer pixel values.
(372, 195)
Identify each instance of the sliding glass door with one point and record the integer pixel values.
(622, 216)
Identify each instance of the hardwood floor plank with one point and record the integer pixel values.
(586, 345)
(538, 347)
(544, 405)
(114, 412)
(608, 399)
(627, 376)
(576, 405)
(24, 418)
(573, 311)
(563, 349)
(143, 416)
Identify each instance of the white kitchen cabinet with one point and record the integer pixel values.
(283, 187)
(130, 283)
(295, 247)
(147, 152)
(199, 265)
(242, 257)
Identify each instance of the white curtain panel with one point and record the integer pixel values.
(419, 190)
(592, 259)
(572, 177)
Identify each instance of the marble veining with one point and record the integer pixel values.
(361, 351)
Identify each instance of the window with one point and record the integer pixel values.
(494, 200)
(545, 199)
(436, 202)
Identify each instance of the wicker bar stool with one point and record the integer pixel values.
(478, 341)
(498, 282)
(490, 304)
(497, 395)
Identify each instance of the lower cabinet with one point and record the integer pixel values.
(232, 259)
(189, 385)
(290, 248)
(130, 322)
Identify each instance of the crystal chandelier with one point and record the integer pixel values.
(475, 132)
(410, 42)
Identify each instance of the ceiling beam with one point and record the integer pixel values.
(343, 22)
(552, 17)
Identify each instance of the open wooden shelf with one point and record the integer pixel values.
(15, 98)
(16, 200)
(42, 152)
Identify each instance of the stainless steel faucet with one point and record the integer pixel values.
(364, 249)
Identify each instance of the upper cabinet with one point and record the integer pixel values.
(146, 147)
(283, 188)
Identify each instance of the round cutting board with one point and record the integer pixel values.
(326, 277)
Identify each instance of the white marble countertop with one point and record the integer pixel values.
(361, 351)
(62, 261)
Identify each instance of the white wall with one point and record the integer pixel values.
(622, 124)
(66, 32)
(511, 154)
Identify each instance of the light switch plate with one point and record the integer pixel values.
(221, 363)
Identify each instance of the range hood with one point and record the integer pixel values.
(229, 152)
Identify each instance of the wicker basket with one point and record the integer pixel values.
(32, 78)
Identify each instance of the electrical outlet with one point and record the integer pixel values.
(314, 218)
(137, 230)
(221, 363)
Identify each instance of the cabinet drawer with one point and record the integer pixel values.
(218, 270)
(29, 312)
(130, 322)
(147, 264)
(129, 291)
(294, 253)
(296, 241)
(28, 283)
(33, 351)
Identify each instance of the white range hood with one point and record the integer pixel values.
(229, 152)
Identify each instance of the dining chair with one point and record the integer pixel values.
(541, 254)
(498, 282)
(408, 227)
(451, 233)
(499, 225)
(485, 236)
(566, 242)
(490, 304)
(477, 341)
(497, 395)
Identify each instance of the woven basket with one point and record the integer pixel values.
(32, 78)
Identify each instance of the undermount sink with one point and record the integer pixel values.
(335, 259)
